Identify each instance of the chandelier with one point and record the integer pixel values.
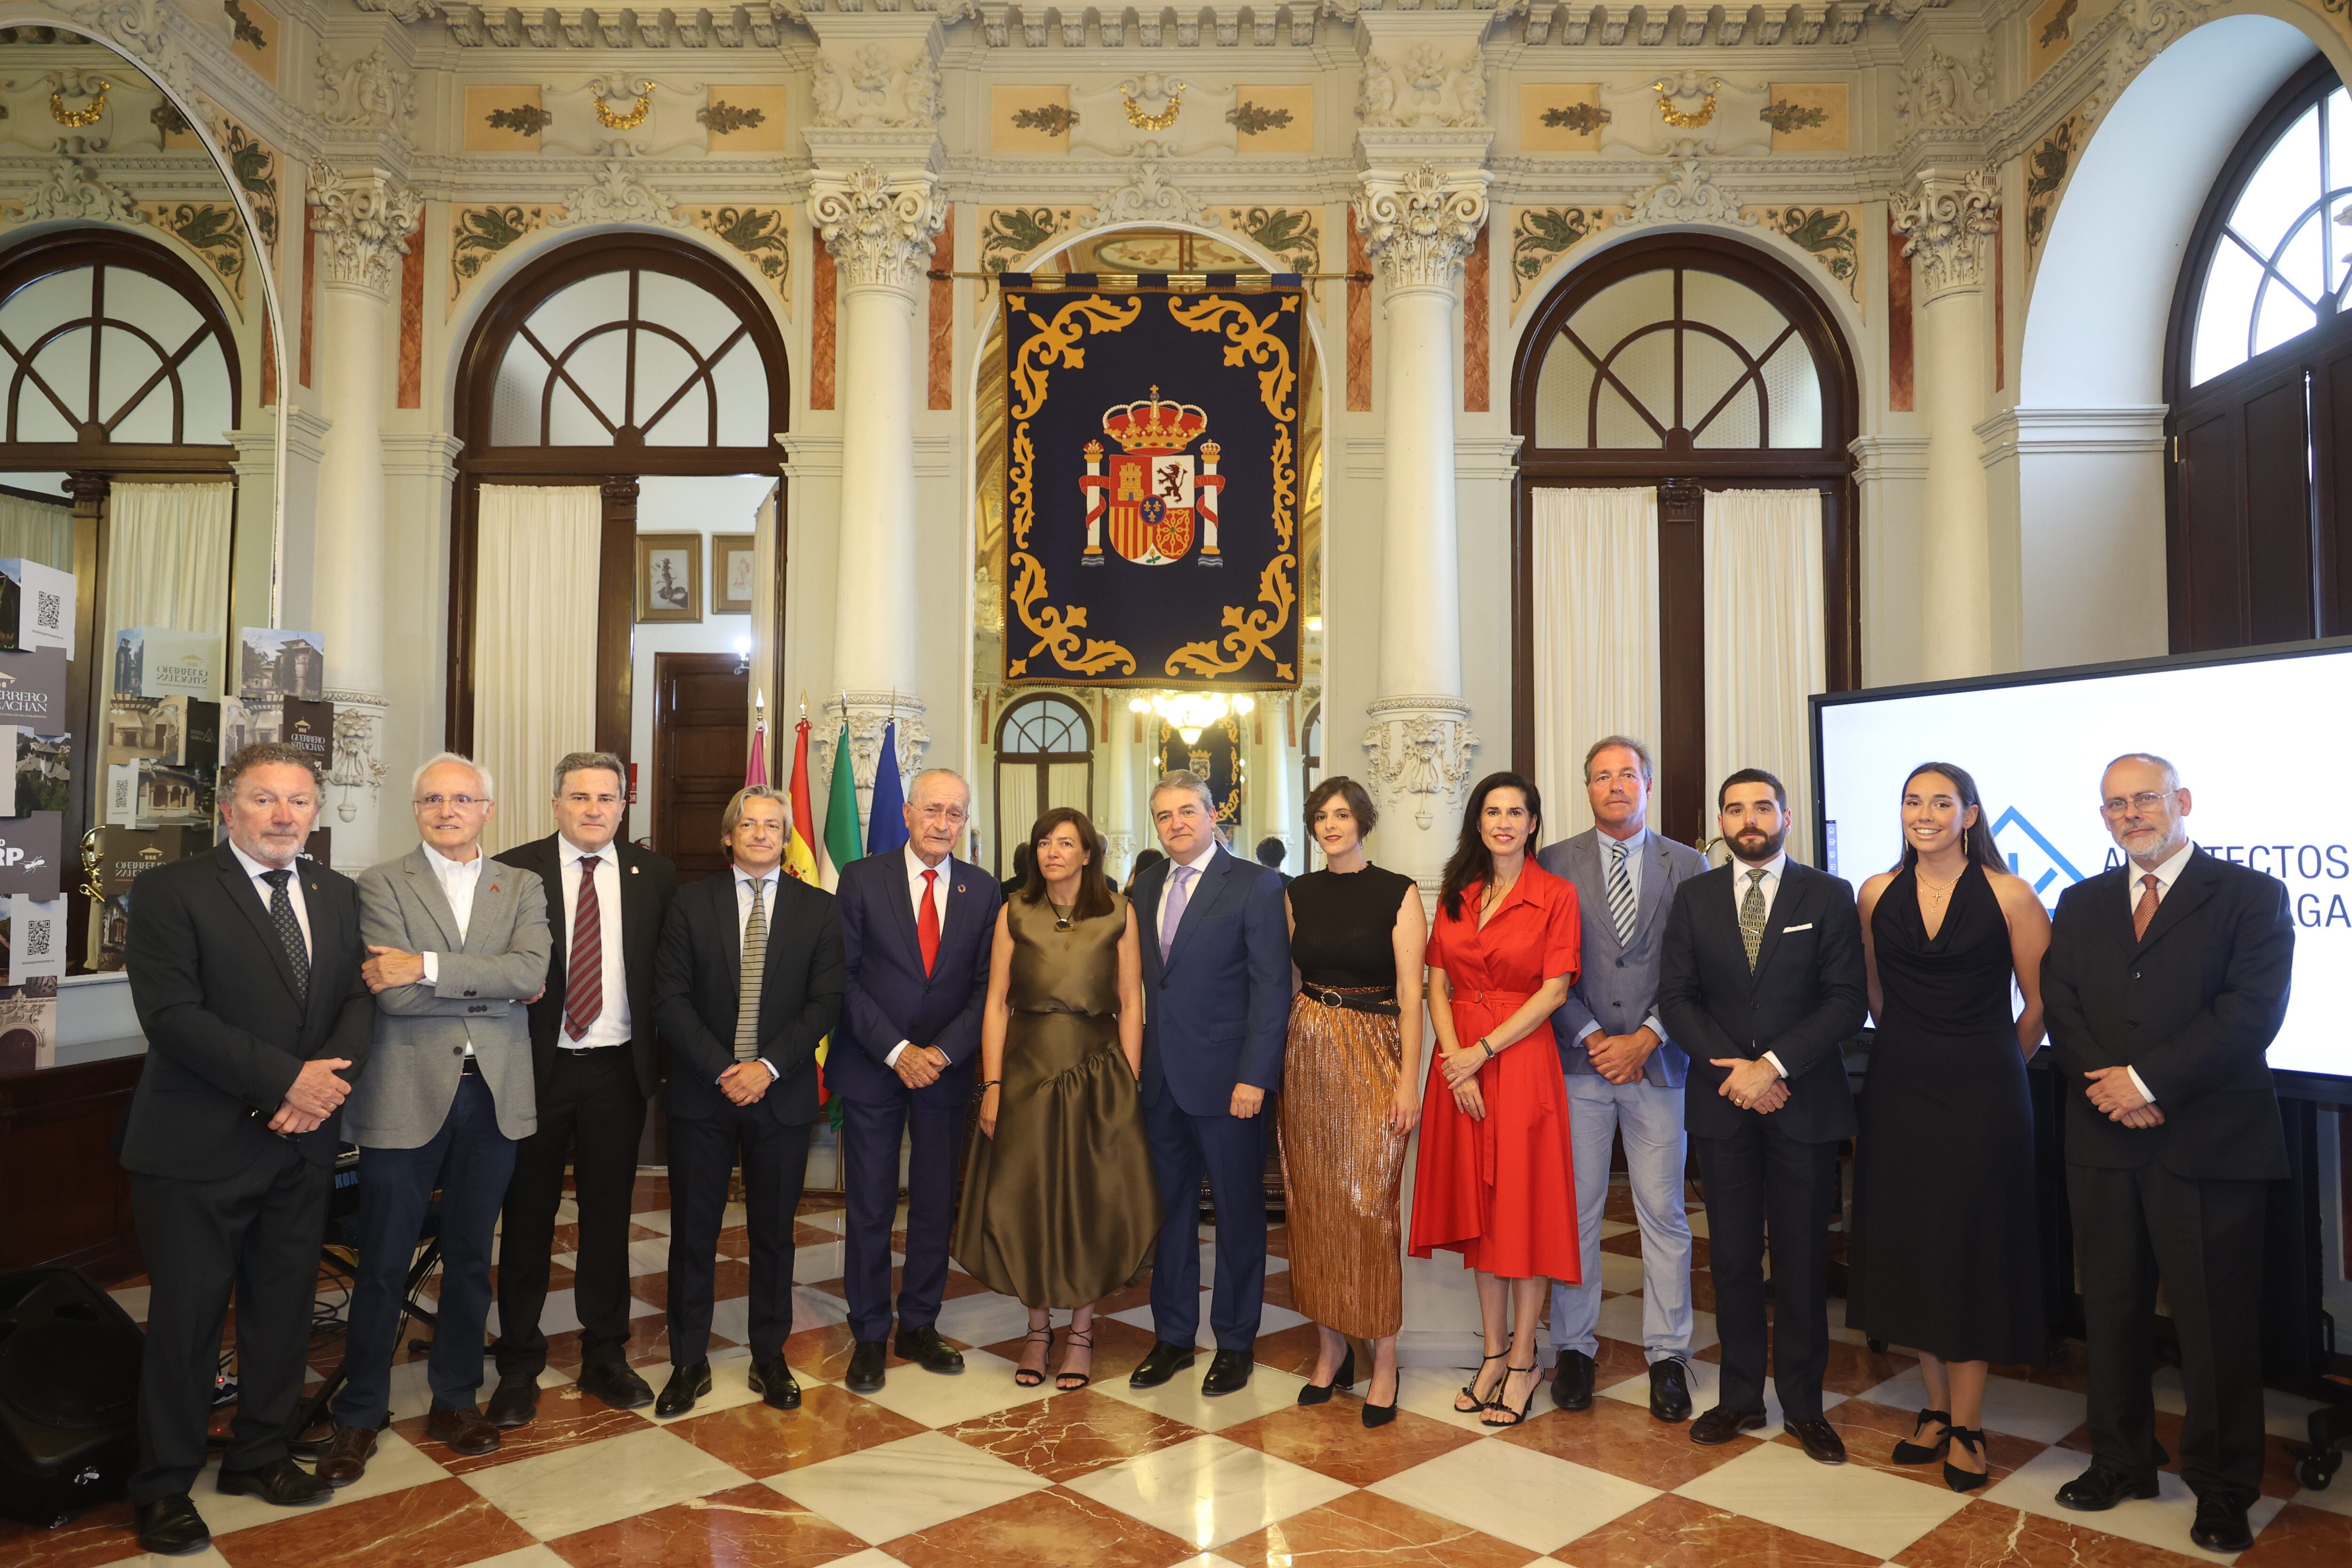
(1189, 712)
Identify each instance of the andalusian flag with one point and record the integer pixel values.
(800, 855)
(841, 834)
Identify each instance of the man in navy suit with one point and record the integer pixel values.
(1216, 980)
(916, 930)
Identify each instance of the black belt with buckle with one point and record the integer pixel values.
(1380, 999)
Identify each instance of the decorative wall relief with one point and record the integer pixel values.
(1538, 236)
(1941, 93)
(1273, 118)
(1008, 234)
(2051, 31)
(214, 231)
(1807, 117)
(72, 194)
(761, 236)
(253, 29)
(1689, 194)
(477, 234)
(618, 196)
(2048, 166)
(367, 92)
(1686, 114)
(1030, 119)
(1294, 234)
(1423, 86)
(505, 118)
(1833, 236)
(876, 89)
(1561, 117)
(745, 117)
(253, 164)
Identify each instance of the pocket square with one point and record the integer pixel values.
(1786, 929)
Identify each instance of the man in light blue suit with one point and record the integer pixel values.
(1624, 1076)
(1216, 984)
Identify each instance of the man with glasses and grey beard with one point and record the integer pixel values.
(2165, 982)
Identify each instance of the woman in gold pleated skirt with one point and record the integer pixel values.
(1351, 1094)
(1060, 1207)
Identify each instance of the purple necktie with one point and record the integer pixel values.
(1174, 914)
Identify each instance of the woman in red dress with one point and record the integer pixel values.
(1495, 1181)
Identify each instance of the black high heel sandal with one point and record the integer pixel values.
(1470, 1389)
(1909, 1453)
(1079, 1339)
(1958, 1479)
(1321, 1393)
(1377, 1415)
(1499, 1408)
(1027, 1377)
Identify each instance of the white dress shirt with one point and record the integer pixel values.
(766, 893)
(1773, 870)
(1606, 844)
(611, 1025)
(915, 890)
(255, 870)
(2135, 889)
(1199, 863)
(458, 879)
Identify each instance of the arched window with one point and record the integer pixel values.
(1044, 758)
(2258, 375)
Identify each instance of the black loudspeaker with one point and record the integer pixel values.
(68, 1392)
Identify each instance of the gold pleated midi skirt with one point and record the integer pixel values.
(1341, 1162)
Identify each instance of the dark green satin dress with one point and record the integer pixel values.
(1060, 1207)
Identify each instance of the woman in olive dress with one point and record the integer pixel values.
(1351, 1094)
(1060, 1207)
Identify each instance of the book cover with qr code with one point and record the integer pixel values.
(36, 606)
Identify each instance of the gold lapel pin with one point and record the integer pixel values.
(958, 887)
(633, 870)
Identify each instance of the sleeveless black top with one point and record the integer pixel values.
(1345, 927)
(1955, 982)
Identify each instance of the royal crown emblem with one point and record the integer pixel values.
(1152, 492)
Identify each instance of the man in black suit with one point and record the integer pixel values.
(1763, 983)
(916, 927)
(2165, 982)
(748, 981)
(245, 969)
(591, 1046)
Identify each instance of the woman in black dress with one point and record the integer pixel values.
(1943, 1257)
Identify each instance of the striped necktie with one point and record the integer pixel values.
(1620, 894)
(1751, 918)
(755, 966)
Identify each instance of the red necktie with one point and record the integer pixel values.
(583, 982)
(927, 925)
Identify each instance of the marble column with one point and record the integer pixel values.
(877, 219)
(1949, 217)
(362, 219)
(1419, 222)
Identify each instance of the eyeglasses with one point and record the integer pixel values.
(2146, 801)
(462, 802)
(938, 813)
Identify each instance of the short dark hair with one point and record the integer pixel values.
(1272, 851)
(1358, 799)
(266, 753)
(1094, 888)
(1751, 775)
(589, 761)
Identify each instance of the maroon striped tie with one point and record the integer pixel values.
(584, 982)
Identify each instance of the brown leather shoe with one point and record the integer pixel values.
(344, 1459)
(465, 1431)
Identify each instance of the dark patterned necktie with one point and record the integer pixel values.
(1621, 896)
(1751, 918)
(755, 966)
(290, 929)
(583, 981)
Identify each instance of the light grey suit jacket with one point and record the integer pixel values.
(1618, 986)
(421, 1030)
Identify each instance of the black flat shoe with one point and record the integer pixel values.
(516, 1400)
(1822, 1443)
(1321, 1393)
(866, 1361)
(685, 1384)
(1910, 1453)
(1961, 1481)
(1229, 1372)
(171, 1526)
(281, 1481)
(774, 1382)
(1571, 1381)
(1163, 1362)
(615, 1382)
(1722, 1423)
(2096, 1490)
(2221, 1526)
(1670, 1399)
(924, 1347)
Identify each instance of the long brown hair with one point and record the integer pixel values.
(1977, 840)
(1094, 888)
(1471, 861)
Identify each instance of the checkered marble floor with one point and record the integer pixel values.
(939, 1472)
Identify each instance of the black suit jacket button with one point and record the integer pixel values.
(469, 994)
(456, 1051)
(2135, 974)
(1620, 963)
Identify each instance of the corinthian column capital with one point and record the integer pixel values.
(1419, 223)
(363, 221)
(879, 224)
(1949, 218)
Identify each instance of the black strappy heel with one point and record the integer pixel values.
(1909, 1453)
(1081, 1340)
(1499, 1408)
(1470, 1389)
(1958, 1479)
(1321, 1393)
(1023, 1377)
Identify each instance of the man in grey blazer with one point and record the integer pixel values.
(1624, 1076)
(457, 943)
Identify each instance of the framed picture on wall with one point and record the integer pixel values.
(730, 573)
(669, 577)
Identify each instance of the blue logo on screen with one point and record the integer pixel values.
(2031, 856)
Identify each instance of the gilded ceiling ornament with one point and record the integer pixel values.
(1686, 121)
(1159, 121)
(89, 114)
(612, 119)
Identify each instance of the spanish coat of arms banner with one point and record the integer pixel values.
(1151, 486)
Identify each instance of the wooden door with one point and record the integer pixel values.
(698, 754)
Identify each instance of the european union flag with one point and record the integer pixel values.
(885, 821)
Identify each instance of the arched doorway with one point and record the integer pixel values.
(1044, 758)
(635, 364)
(1682, 364)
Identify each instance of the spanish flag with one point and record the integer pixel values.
(800, 856)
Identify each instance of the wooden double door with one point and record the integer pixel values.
(699, 748)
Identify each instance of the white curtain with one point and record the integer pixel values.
(37, 531)
(167, 549)
(1017, 809)
(1066, 784)
(1595, 563)
(535, 646)
(1764, 641)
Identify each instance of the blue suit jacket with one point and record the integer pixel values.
(1217, 1013)
(890, 998)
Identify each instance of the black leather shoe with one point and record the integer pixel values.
(924, 1347)
(1229, 1372)
(281, 1481)
(1670, 1398)
(1571, 1381)
(1722, 1423)
(615, 1382)
(1822, 1443)
(685, 1384)
(866, 1367)
(1163, 1362)
(2096, 1490)
(2221, 1526)
(172, 1526)
(516, 1400)
(774, 1382)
